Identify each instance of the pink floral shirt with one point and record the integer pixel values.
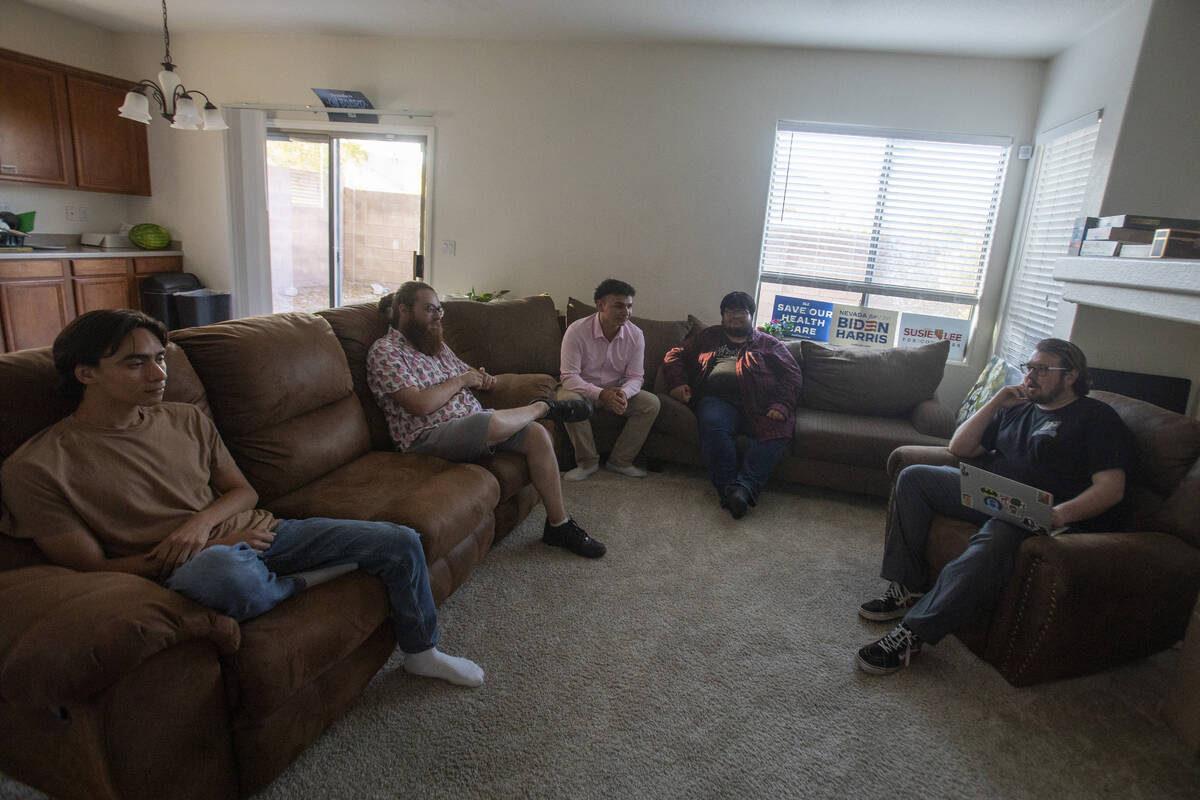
(394, 364)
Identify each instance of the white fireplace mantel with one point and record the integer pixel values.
(1155, 287)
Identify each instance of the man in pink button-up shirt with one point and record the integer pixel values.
(601, 363)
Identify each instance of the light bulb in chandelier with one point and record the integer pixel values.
(173, 98)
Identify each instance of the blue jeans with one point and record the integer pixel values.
(243, 583)
(970, 582)
(720, 422)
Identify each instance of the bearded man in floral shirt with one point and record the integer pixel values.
(424, 390)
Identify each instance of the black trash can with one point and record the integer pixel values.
(201, 307)
(157, 291)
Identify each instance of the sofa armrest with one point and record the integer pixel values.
(513, 390)
(1087, 601)
(932, 419)
(909, 454)
(65, 636)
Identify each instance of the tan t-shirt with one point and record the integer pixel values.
(129, 487)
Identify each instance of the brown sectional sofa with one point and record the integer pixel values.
(114, 687)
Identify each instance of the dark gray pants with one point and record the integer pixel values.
(972, 581)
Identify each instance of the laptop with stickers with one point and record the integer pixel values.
(1009, 500)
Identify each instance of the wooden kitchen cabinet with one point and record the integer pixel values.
(112, 291)
(35, 302)
(59, 127)
(111, 154)
(35, 137)
(38, 297)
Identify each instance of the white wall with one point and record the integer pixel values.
(1097, 74)
(561, 164)
(1156, 168)
(1143, 65)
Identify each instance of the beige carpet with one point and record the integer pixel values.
(707, 658)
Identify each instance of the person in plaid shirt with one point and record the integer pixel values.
(424, 390)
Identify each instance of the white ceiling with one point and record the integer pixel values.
(1003, 28)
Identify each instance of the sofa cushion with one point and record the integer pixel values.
(873, 382)
(865, 440)
(996, 374)
(29, 396)
(70, 635)
(578, 309)
(440, 500)
(1167, 462)
(281, 393)
(505, 335)
(290, 646)
(357, 327)
(1167, 444)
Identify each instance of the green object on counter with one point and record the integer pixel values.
(149, 236)
(27, 221)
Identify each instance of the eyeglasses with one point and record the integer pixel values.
(432, 310)
(1041, 370)
(736, 312)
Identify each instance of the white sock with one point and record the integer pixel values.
(433, 663)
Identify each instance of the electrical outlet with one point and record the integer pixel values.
(448, 246)
(72, 213)
(83, 214)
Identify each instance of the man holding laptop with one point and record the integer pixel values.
(1044, 432)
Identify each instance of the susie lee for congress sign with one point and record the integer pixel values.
(919, 329)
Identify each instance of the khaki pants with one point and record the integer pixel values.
(639, 417)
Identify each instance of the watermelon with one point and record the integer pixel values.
(149, 236)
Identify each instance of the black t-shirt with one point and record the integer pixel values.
(722, 380)
(1060, 450)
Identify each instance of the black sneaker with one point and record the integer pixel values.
(573, 538)
(736, 499)
(566, 410)
(895, 603)
(891, 653)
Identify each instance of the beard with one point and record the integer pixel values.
(738, 330)
(426, 338)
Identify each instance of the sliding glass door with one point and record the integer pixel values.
(346, 214)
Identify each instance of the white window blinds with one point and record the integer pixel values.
(1063, 165)
(882, 212)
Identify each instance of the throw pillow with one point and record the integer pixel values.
(505, 335)
(885, 383)
(578, 309)
(997, 374)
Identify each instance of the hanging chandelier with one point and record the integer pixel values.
(172, 96)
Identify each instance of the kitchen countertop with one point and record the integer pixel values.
(82, 251)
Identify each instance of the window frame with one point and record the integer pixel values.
(246, 168)
(890, 139)
(1024, 276)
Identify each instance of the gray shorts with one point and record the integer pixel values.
(464, 439)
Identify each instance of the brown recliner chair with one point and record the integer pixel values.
(1084, 602)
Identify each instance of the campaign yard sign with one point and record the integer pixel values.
(919, 329)
(809, 319)
(855, 326)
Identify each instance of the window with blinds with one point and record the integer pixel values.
(1063, 163)
(886, 219)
